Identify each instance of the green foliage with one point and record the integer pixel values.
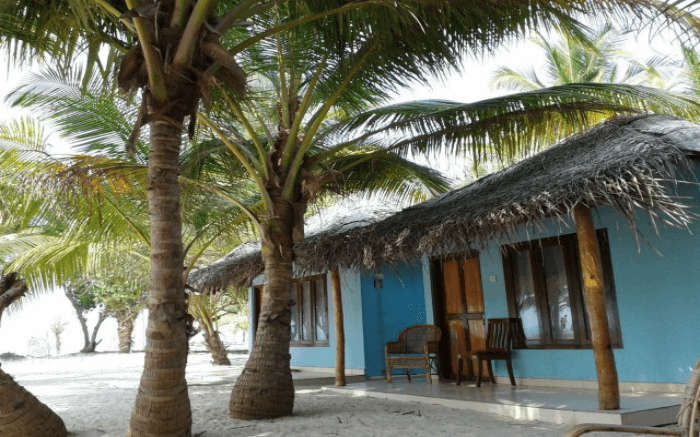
(117, 296)
(60, 30)
(587, 57)
(691, 59)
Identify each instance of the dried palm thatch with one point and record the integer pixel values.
(629, 163)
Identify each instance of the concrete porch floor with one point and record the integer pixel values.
(548, 404)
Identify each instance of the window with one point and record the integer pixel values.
(310, 312)
(545, 290)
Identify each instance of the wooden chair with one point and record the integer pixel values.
(416, 347)
(499, 341)
(688, 416)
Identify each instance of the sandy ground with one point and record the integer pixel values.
(94, 396)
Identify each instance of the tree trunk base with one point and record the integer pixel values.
(262, 395)
(265, 388)
(23, 415)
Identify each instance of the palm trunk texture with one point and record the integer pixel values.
(216, 347)
(265, 388)
(23, 415)
(11, 290)
(125, 328)
(162, 406)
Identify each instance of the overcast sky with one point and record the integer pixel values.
(469, 84)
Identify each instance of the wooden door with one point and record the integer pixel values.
(461, 307)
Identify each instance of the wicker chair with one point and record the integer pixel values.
(688, 416)
(417, 346)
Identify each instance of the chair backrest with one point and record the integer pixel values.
(689, 414)
(499, 333)
(413, 338)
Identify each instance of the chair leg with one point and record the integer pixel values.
(427, 371)
(388, 371)
(493, 380)
(509, 364)
(408, 374)
(459, 369)
(478, 373)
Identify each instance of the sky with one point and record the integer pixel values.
(469, 83)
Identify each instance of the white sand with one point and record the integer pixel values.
(94, 396)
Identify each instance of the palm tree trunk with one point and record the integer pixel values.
(162, 405)
(11, 290)
(216, 347)
(265, 388)
(594, 296)
(23, 415)
(125, 328)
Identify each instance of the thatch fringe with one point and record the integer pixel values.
(630, 163)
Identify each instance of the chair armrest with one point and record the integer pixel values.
(393, 347)
(431, 347)
(591, 427)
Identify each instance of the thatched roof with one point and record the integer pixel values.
(626, 163)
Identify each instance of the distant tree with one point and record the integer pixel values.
(57, 328)
(82, 295)
(123, 299)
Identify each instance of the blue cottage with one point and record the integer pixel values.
(505, 246)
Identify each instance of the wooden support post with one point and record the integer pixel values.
(339, 330)
(594, 295)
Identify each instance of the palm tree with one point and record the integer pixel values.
(208, 310)
(21, 413)
(24, 414)
(174, 60)
(296, 136)
(583, 57)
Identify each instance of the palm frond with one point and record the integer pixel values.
(510, 125)
(377, 172)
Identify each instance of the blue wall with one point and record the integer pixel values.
(658, 297)
(324, 356)
(400, 303)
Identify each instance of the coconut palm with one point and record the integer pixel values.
(592, 56)
(208, 310)
(176, 59)
(21, 413)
